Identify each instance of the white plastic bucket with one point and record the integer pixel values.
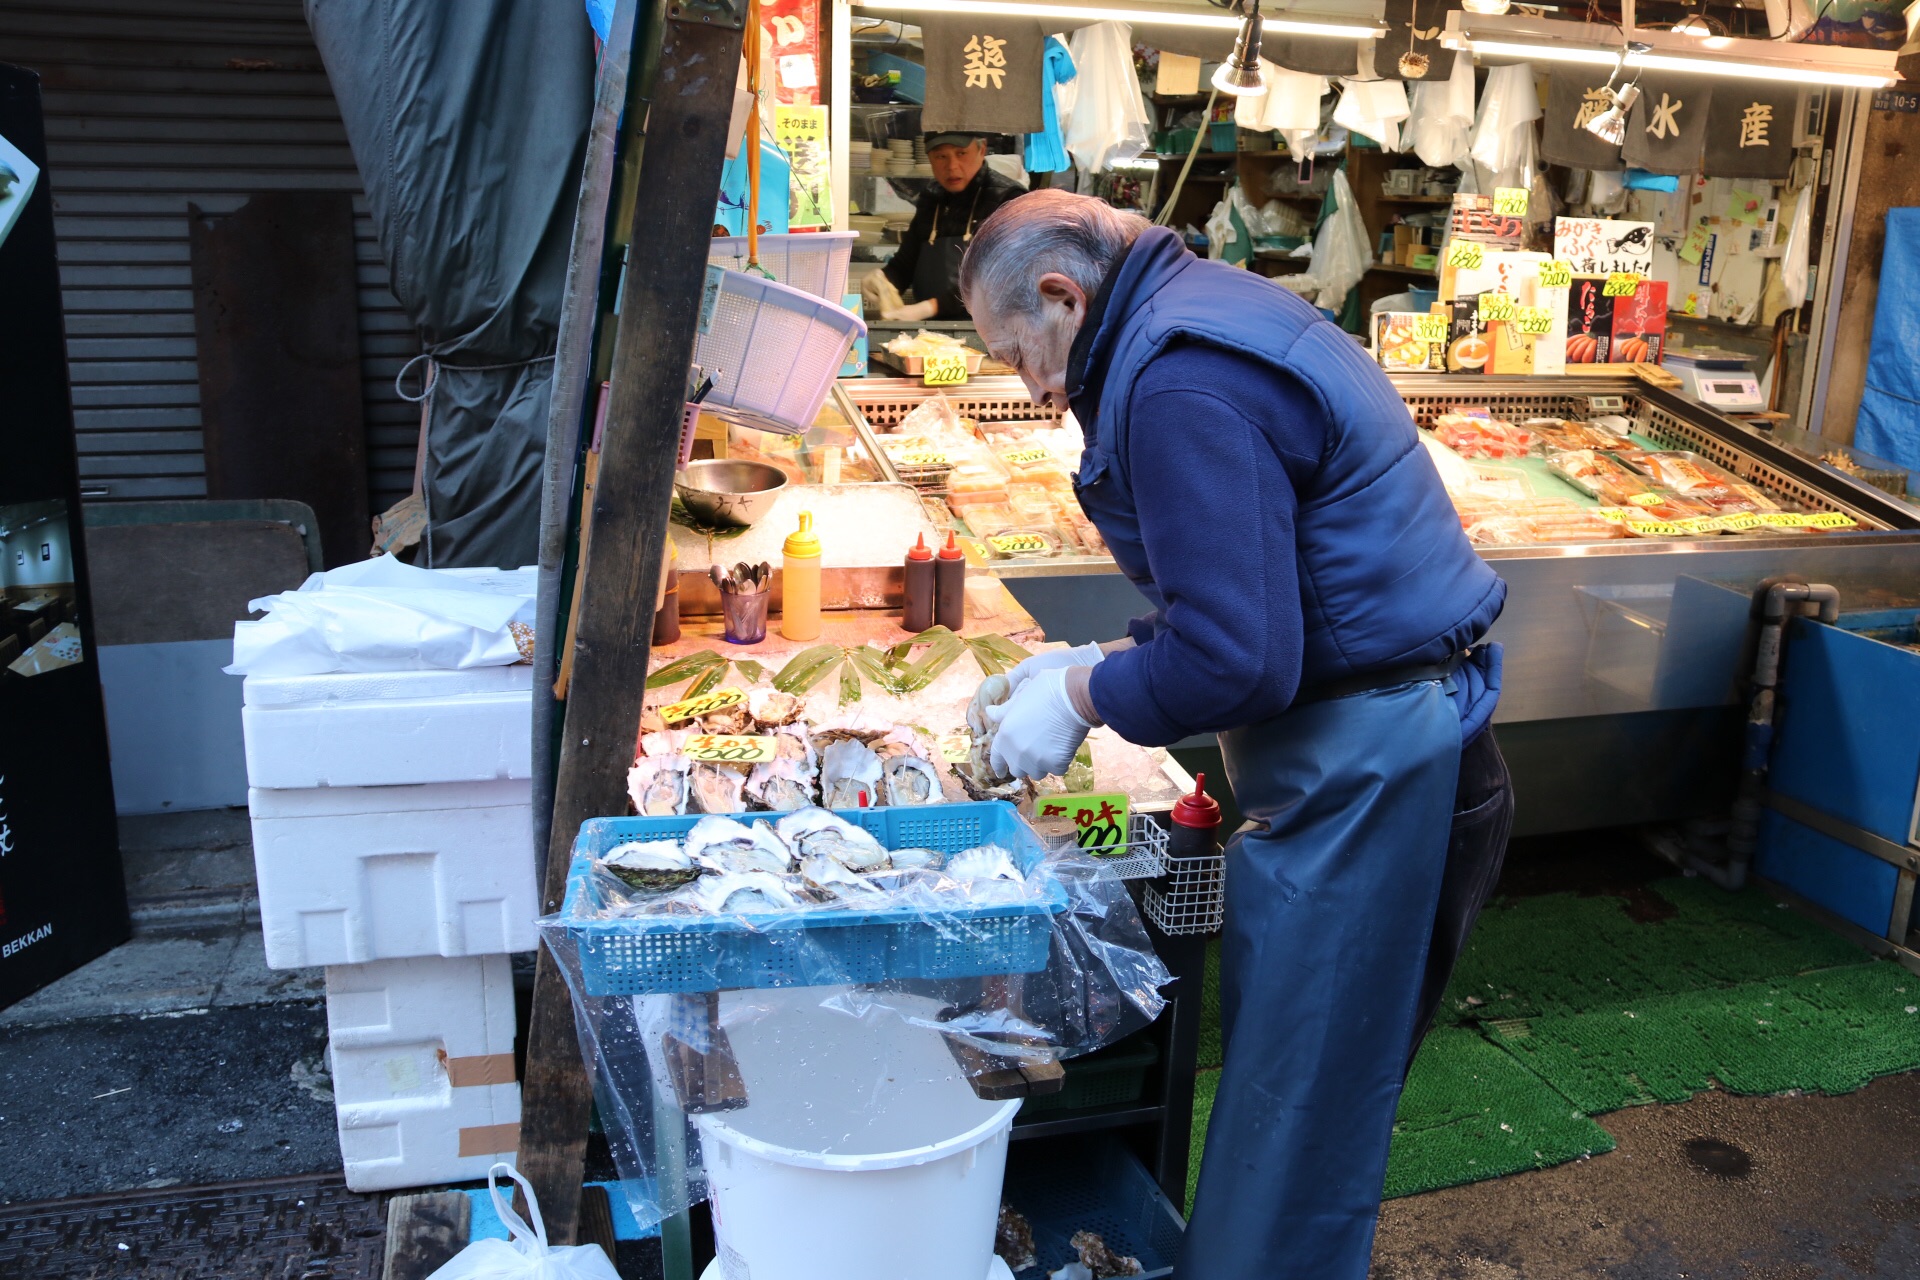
(862, 1153)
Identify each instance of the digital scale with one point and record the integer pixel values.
(1722, 380)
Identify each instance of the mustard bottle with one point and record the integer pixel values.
(800, 582)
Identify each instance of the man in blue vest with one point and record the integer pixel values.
(1318, 607)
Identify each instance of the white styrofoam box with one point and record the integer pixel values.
(422, 1057)
(389, 728)
(353, 874)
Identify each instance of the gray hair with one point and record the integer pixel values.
(1042, 231)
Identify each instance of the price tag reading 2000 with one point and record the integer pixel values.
(728, 748)
(944, 369)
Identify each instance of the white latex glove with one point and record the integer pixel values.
(913, 311)
(878, 294)
(1080, 655)
(1037, 730)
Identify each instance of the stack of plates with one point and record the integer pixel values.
(902, 151)
(859, 156)
(919, 150)
(922, 170)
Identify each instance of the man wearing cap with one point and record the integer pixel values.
(966, 190)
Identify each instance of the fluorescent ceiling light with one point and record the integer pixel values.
(1549, 40)
(1542, 52)
(1225, 21)
(1762, 71)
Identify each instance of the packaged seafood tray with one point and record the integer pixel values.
(662, 954)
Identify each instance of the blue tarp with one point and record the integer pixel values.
(1889, 421)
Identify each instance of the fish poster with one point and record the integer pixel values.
(1600, 246)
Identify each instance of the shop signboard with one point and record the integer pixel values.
(62, 899)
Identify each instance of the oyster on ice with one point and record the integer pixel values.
(849, 775)
(911, 780)
(652, 866)
(810, 831)
(771, 708)
(657, 785)
(735, 847)
(715, 788)
(781, 785)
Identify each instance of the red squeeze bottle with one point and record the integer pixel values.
(918, 614)
(950, 586)
(1196, 824)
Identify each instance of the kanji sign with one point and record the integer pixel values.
(1100, 821)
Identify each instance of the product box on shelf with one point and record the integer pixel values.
(353, 874)
(1640, 325)
(424, 1085)
(1589, 321)
(1400, 347)
(1468, 346)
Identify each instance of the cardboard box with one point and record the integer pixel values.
(1468, 347)
(1589, 321)
(1398, 351)
(1640, 325)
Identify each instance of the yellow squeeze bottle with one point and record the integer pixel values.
(800, 583)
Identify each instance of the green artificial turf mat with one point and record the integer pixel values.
(1830, 1032)
(1211, 1054)
(1470, 1112)
(1562, 954)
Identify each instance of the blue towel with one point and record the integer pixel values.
(1046, 151)
(1641, 180)
(1889, 421)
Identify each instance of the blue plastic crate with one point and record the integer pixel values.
(641, 955)
(1098, 1186)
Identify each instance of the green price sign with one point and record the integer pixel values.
(1100, 821)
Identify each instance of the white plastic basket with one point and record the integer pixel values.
(773, 352)
(815, 261)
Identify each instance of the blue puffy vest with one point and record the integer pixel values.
(1387, 577)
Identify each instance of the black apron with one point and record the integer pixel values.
(938, 267)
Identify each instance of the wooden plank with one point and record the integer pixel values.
(596, 1219)
(685, 111)
(424, 1232)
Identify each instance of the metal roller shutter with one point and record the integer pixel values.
(152, 106)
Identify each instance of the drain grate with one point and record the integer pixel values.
(309, 1228)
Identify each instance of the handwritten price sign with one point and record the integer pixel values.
(728, 748)
(1535, 320)
(693, 708)
(944, 369)
(1026, 456)
(1621, 284)
(1495, 306)
(916, 455)
(1466, 255)
(1556, 275)
(1018, 544)
(955, 748)
(1430, 328)
(1510, 202)
(1100, 821)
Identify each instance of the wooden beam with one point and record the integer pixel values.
(686, 105)
(424, 1232)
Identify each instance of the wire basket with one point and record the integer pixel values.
(813, 261)
(1142, 857)
(773, 352)
(1190, 896)
(635, 955)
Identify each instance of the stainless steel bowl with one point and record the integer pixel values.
(729, 491)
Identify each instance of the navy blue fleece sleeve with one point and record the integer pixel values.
(1220, 445)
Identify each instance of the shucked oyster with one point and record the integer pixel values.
(658, 785)
(783, 785)
(652, 866)
(831, 875)
(811, 831)
(732, 846)
(911, 780)
(715, 788)
(771, 708)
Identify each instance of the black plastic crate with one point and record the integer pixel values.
(1109, 1078)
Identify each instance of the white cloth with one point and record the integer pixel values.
(1107, 118)
(1290, 104)
(1793, 261)
(1442, 116)
(1374, 108)
(1508, 107)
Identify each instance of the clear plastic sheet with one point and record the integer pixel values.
(656, 1058)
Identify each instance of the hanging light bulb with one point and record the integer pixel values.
(1240, 75)
(1486, 8)
(1610, 126)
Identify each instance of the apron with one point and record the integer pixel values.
(1332, 907)
(938, 267)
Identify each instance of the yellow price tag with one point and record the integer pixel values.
(1556, 275)
(692, 708)
(1510, 202)
(1018, 544)
(955, 748)
(1741, 521)
(1784, 520)
(918, 454)
(730, 748)
(1430, 328)
(1654, 528)
(1495, 306)
(1832, 520)
(1535, 320)
(1021, 457)
(1100, 822)
(1621, 284)
(1612, 515)
(1466, 254)
(1647, 499)
(1701, 524)
(944, 369)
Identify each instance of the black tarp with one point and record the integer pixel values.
(468, 122)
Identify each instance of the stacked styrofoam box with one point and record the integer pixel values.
(422, 1052)
(393, 842)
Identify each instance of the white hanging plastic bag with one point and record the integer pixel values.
(525, 1254)
(1108, 118)
(1508, 107)
(1443, 117)
(1340, 252)
(383, 615)
(1373, 108)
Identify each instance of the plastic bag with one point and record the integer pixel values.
(1373, 108)
(1443, 117)
(1340, 252)
(1108, 119)
(383, 615)
(525, 1255)
(1508, 107)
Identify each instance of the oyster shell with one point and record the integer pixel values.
(781, 785)
(771, 708)
(911, 780)
(735, 847)
(1097, 1257)
(733, 719)
(830, 874)
(715, 788)
(739, 891)
(979, 777)
(657, 785)
(849, 775)
(652, 866)
(931, 859)
(984, 862)
(811, 831)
